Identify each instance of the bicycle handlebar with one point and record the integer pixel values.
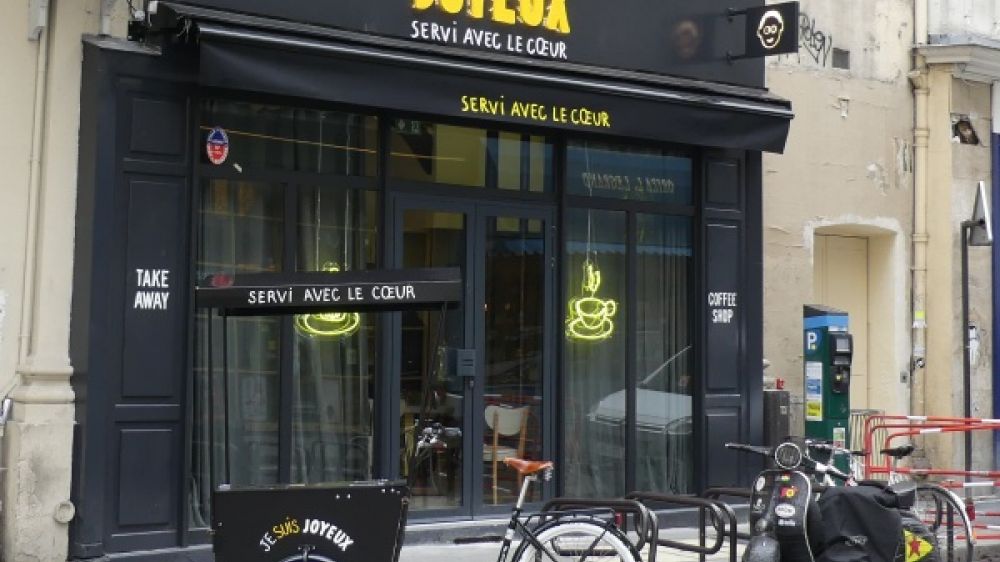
(765, 451)
(824, 446)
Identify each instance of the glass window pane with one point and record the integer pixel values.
(429, 152)
(515, 296)
(241, 232)
(509, 166)
(664, 356)
(334, 361)
(641, 174)
(290, 138)
(429, 386)
(595, 349)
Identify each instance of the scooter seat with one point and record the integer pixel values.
(900, 451)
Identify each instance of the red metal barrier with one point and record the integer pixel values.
(919, 425)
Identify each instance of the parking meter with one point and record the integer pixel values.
(828, 349)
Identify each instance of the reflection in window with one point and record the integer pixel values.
(430, 390)
(514, 332)
(594, 378)
(293, 138)
(334, 362)
(429, 152)
(641, 174)
(664, 356)
(241, 232)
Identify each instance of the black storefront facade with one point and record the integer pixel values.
(594, 173)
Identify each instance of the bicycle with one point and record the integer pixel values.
(561, 536)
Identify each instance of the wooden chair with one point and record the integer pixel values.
(504, 421)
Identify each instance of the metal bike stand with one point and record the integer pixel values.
(646, 524)
(720, 512)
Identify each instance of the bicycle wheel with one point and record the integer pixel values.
(577, 541)
(944, 515)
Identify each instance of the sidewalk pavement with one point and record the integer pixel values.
(488, 551)
(986, 551)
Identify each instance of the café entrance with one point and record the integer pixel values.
(487, 366)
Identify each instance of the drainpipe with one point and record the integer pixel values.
(24, 347)
(920, 22)
(921, 133)
(107, 6)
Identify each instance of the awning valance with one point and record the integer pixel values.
(237, 56)
(262, 294)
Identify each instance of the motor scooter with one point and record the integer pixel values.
(795, 517)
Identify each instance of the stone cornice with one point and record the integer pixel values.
(974, 62)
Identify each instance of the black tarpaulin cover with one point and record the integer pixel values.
(325, 69)
(860, 524)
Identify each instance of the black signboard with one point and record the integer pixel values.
(360, 522)
(277, 293)
(772, 30)
(673, 37)
(724, 304)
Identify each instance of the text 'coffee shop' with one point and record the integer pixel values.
(307, 231)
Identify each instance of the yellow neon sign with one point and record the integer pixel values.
(590, 318)
(328, 324)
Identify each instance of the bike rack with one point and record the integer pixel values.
(721, 513)
(734, 533)
(743, 493)
(947, 519)
(646, 524)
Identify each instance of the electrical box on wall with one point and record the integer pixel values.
(38, 17)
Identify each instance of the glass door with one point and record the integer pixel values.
(433, 399)
(513, 333)
(472, 381)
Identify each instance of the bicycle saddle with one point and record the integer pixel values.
(525, 467)
(899, 452)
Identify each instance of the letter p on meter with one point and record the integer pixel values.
(812, 338)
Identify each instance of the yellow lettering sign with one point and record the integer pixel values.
(558, 19)
(583, 117)
(502, 13)
(476, 8)
(532, 11)
(550, 14)
(452, 6)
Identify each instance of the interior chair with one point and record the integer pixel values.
(504, 421)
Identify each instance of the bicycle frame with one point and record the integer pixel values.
(519, 526)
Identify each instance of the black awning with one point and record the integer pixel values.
(263, 294)
(327, 68)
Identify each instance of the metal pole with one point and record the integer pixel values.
(211, 405)
(995, 268)
(966, 367)
(225, 394)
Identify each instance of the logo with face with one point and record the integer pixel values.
(770, 29)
